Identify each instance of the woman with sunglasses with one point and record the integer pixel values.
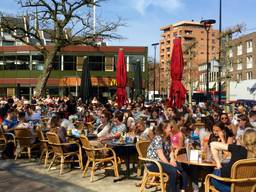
(105, 124)
(243, 123)
(226, 121)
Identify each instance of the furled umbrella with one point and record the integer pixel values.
(86, 84)
(138, 79)
(177, 90)
(121, 80)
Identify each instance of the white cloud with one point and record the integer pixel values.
(167, 5)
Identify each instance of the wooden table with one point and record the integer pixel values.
(124, 151)
(183, 159)
(196, 170)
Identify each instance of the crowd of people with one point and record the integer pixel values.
(209, 127)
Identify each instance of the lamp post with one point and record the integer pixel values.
(220, 39)
(154, 84)
(207, 25)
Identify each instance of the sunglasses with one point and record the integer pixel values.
(224, 118)
(102, 117)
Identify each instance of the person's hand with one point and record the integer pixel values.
(221, 135)
(173, 163)
(218, 165)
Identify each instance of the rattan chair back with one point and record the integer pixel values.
(23, 136)
(245, 168)
(142, 147)
(54, 141)
(86, 145)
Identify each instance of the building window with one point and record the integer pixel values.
(239, 64)
(249, 61)
(8, 43)
(239, 76)
(69, 62)
(109, 63)
(188, 32)
(22, 62)
(249, 75)
(240, 49)
(97, 63)
(38, 62)
(56, 62)
(133, 59)
(249, 46)
(10, 62)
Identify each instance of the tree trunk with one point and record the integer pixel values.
(42, 80)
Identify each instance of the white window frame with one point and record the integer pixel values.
(249, 46)
(249, 75)
(249, 61)
(240, 49)
(239, 64)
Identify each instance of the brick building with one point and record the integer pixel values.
(189, 31)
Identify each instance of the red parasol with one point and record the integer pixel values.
(177, 90)
(121, 76)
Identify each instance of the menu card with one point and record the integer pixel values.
(194, 155)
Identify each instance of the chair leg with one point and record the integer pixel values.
(61, 164)
(92, 171)
(17, 154)
(53, 159)
(144, 181)
(115, 165)
(46, 158)
(41, 156)
(29, 153)
(162, 184)
(79, 156)
(139, 168)
(86, 167)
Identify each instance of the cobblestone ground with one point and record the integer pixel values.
(25, 176)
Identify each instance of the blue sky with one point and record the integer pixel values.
(145, 17)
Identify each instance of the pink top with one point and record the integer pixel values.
(175, 139)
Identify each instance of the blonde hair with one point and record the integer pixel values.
(249, 142)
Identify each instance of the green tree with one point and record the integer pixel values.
(66, 22)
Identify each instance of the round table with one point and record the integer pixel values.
(196, 170)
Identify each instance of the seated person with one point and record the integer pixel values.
(118, 128)
(247, 149)
(105, 125)
(160, 150)
(221, 133)
(24, 124)
(143, 132)
(10, 122)
(62, 133)
(32, 115)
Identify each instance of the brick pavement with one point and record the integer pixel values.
(25, 176)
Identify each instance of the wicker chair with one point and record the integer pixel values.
(149, 177)
(57, 146)
(45, 148)
(99, 157)
(243, 177)
(23, 137)
(141, 147)
(6, 138)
